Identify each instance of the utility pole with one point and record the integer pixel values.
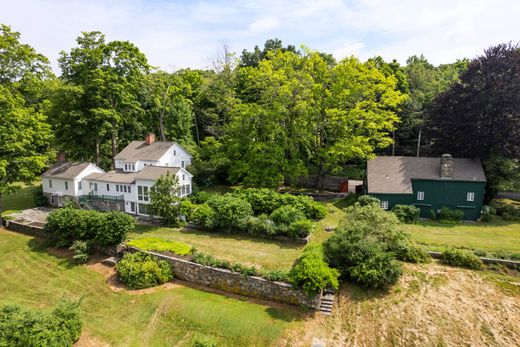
(393, 143)
(419, 143)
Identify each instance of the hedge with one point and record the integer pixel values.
(141, 270)
(457, 257)
(61, 327)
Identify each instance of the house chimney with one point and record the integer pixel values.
(446, 166)
(150, 138)
(61, 156)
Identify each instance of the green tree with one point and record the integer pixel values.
(164, 199)
(25, 135)
(110, 76)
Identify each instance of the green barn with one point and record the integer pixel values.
(428, 183)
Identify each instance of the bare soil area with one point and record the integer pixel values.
(433, 305)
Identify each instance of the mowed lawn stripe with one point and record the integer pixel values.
(32, 277)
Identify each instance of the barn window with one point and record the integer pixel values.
(384, 205)
(470, 196)
(420, 195)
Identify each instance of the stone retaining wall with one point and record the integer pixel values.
(506, 262)
(25, 228)
(236, 283)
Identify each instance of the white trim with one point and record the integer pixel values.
(470, 196)
(420, 196)
(384, 205)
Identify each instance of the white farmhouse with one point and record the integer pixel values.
(127, 188)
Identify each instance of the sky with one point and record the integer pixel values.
(181, 34)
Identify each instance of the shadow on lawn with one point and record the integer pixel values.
(64, 255)
(144, 229)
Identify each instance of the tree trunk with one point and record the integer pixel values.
(1, 220)
(98, 154)
(161, 125)
(319, 177)
(114, 147)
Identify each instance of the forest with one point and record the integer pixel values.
(260, 117)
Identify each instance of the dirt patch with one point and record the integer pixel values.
(431, 305)
(87, 340)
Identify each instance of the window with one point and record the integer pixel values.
(142, 193)
(132, 206)
(95, 187)
(183, 176)
(420, 195)
(90, 185)
(79, 185)
(125, 188)
(470, 196)
(189, 189)
(174, 152)
(384, 205)
(66, 185)
(108, 187)
(126, 167)
(143, 209)
(50, 183)
(117, 187)
(182, 164)
(129, 189)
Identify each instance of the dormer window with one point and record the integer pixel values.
(174, 152)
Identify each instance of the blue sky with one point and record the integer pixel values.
(179, 34)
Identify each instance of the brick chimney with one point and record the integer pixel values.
(150, 138)
(61, 156)
(446, 166)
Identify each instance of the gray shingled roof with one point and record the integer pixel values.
(113, 176)
(154, 172)
(393, 175)
(66, 169)
(139, 150)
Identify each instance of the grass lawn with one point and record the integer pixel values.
(19, 200)
(244, 248)
(32, 277)
(496, 236)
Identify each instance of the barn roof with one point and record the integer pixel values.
(393, 175)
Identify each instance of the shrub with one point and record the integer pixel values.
(201, 197)
(186, 208)
(38, 198)
(365, 200)
(261, 225)
(61, 327)
(286, 214)
(209, 260)
(278, 275)
(450, 216)
(312, 273)
(160, 245)
(204, 216)
(300, 229)
(114, 228)
(408, 251)
(81, 251)
(69, 224)
(140, 270)
(457, 257)
(231, 213)
(205, 342)
(362, 258)
(406, 213)
(351, 199)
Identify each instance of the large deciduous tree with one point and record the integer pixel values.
(480, 115)
(24, 133)
(109, 77)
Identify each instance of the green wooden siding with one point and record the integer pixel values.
(452, 194)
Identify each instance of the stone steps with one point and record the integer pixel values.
(326, 302)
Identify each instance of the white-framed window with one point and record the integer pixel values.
(132, 206)
(470, 196)
(50, 183)
(95, 187)
(183, 177)
(126, 167)
(420, 195)
(117, 187)
(182, 164)
(174, 152)
(143, 193)
(129, 189)
(66, 185)
(108, 187)
(384, 205)
(79, 185)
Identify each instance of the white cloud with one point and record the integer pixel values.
(264, 24)
(184, 34)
